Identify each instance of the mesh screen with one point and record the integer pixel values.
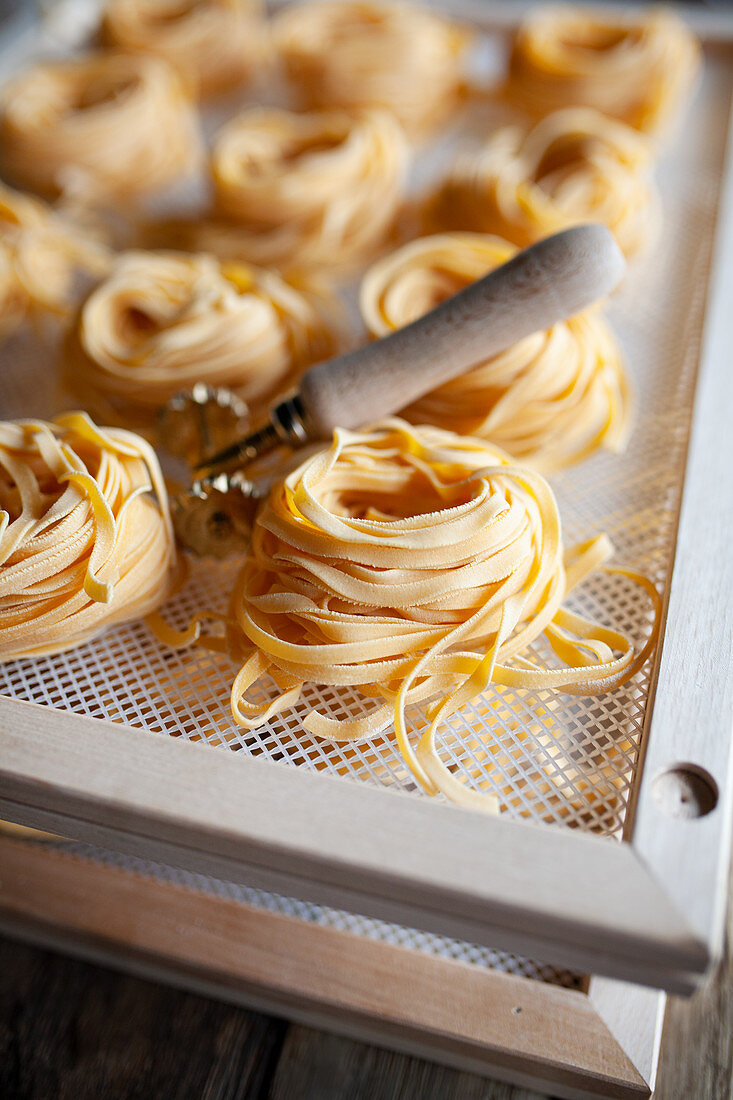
(550, 757)
(324, 916)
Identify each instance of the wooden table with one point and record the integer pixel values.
(73, 1031)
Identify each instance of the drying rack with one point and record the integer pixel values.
(313, 880)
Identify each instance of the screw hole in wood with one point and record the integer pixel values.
(685, 791)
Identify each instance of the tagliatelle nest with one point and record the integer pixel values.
(397, 56)
(575, 166)
(109, 127)
(41, 257)
(413, 564)
(85, 534)
(161, 322)
(549, 400)
(637, 69)
(214, 45)
(316, 190)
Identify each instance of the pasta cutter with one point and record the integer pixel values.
(539, 287)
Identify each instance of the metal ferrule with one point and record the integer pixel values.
(285, 425)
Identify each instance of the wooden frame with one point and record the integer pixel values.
(648, 910)
(599, 1043)
(571, 899)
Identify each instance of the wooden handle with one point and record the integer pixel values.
(546, 283)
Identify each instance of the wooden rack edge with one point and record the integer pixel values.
(572, 899)
(528, 1032)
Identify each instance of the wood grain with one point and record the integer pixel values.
(467, 1016)
(570, 898)
(73, 1031)
(697, 1040)
(546, 283)
(313, 1064)
(80, 1032)
(691, 729)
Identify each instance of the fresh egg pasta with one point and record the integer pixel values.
(574, 166)
(401, 57)
(109, 127)
(550, 400)
(85, 534)
(160, 322)
(415, 565)
(214, 45)
(638, 69)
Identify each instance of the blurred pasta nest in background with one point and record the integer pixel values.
(214, 45)
(574, 166)
(550, 399)
(111, 127)
(320, 189)
(398, 56)
(161, 322)
(637, 69)
(42, 260)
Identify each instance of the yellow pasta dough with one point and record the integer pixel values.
(574, 166)
(112, 127)
(311, 190)
(41, 257)
(85, 534)
(550, 399)
(638, 69)
(415, 565)
(162, 321)
(213, 44)
(397, 56)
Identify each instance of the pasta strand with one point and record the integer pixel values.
(638, 70)
(85, 534)
(163, 321)
(574, 166)
(550, 400)
(413, 565)
(360, 54)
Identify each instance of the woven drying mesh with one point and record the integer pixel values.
(552, 758)
(324, 916)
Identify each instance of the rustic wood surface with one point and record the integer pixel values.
(73, 1031)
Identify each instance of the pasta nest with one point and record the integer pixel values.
(395, 56)
(214, 45)
(109, 126)
(40, 259)
(413, 564)
(574, 166)
(638, 70)
(550, 399)
(312, 190)
(85, 534)
(161, 322)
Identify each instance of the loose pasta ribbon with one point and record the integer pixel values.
(549, 400)
(637, 69)
(415, 566)
(574, 166)
(161, 322)
(85, 534)
(396, 56)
